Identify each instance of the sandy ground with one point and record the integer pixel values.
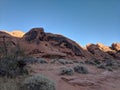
(97, 79)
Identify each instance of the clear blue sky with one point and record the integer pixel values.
(84, 21)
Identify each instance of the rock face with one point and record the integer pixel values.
(116, 46)
(36, 34)
(18, 34)
(97, 52)
(40, 44)
(52, 45)
(102, 52)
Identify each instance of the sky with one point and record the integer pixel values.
(84, 21)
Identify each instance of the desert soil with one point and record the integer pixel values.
(97, 79)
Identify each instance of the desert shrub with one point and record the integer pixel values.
(90, 62)
(75, 61)
(109, 65)
(11, 59)
(11, 67)
(81, 62)
(93, 62)
(118, 64)
(112, 63)
(30, 60)
(109, 68)
(81, 69)
(8, 84)
(41, 60)
(53, 61)
(63, 61)
(38, 82)
(66, 71)
(102, 66)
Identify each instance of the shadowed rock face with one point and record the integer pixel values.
(33, 34)
(30, 36)
(62, 40)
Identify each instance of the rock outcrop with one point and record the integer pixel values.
(98, 51)
(102, 52)
(38, 43)
(52, 45)
(116, 46)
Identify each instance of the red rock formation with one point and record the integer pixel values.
(116, 46)
(40, 44)
(52, 45)
(99, 51)
(103, 52)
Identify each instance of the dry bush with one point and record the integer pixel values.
(38, 82)
(66, 71)
(81, 69)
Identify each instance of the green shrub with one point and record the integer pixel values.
(66, 71)
(38, 82)
(81, 69)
